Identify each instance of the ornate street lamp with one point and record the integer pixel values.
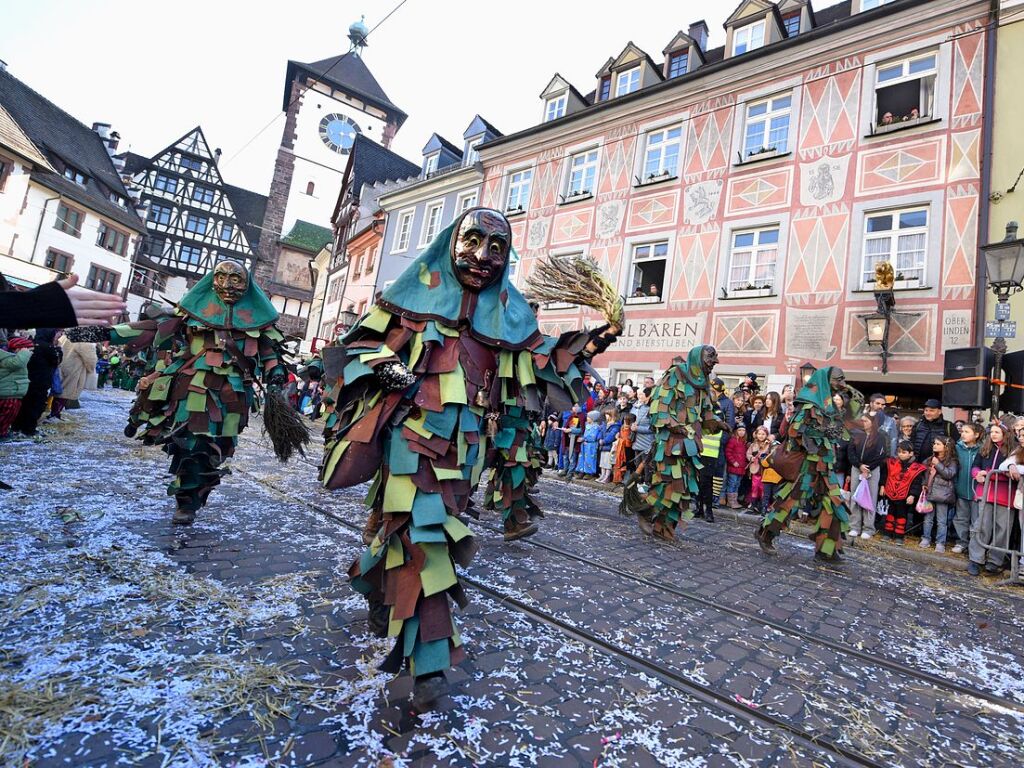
(347, 318)
(806, 371)
(877, 324)
(1004, 262)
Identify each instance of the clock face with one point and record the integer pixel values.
(338, 132)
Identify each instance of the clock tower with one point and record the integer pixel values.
(327, 103)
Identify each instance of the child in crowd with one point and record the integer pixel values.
(623, 449)
(759, 449)
(941, 493)
(572, 428)
(606, 444)
(901, 479)
(588, 461)
(966, 449)
(711, 448)
(552, 440)
(991, 524)
(13, 380)
(735, 465)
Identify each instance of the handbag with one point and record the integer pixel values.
(862, 496)
(924, 506)
(786, 463)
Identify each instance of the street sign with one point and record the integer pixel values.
(1003, 310)
(993, 330)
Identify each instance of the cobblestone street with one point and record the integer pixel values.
(238, 641)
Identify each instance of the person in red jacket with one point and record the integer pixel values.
(735, 465)
(901, 481)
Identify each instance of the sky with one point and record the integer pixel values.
(155, 69)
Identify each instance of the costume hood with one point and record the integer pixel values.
(430, 290)
(251, 312)
(818, 389)
(694, 370)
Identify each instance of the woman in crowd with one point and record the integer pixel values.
(842, 464)
(41, 367)
(907, 424)
(79, 361)
(773, 414)
(992, 523)
(867, 449)
(941, 488)
(643, 435)
(754, 416)
(606, 458)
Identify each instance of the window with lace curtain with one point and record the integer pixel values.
(901, 238)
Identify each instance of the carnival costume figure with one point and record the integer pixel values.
(815, 430)
(683, 408)
(224, 344)
(443, 370)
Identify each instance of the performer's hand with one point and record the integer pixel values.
(92, 307)
(394, 376)
(600, 339)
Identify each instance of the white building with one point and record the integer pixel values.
(63, 207)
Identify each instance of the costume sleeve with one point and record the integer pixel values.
(272, 365)
(47, 306)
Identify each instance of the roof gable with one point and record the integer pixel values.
(606, 68)
(437, 143)
(479, 126)
(630, 56)
(555, 87)
(15, 140)
(678, 43)
(308, 237)
(749, 9)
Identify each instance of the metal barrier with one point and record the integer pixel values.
(994, 524)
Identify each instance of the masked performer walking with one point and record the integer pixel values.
(445, 368)
(807, 459)
(683, 410)
(223, 343)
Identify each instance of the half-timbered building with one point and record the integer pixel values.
(193, 218)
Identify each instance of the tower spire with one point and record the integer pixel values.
(357, 36)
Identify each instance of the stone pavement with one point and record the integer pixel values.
(123, 641)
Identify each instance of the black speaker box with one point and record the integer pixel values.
(1012, 398)
(966, 378)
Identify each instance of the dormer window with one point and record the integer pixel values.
(748, 38)
(627, 82)
(678, 63)
(791, 23)
(75, 175)
(604, 92)
(190, 163)
(430, 164)
(556, 107)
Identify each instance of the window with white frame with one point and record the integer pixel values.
(518, 197)
(752, 260)
(466, 201)
(582, 172)
(556, 107)
(431, 222)
(867, 5)
(627, 82)
(513, 267)
(905, 89)
(647, 278)
(661, 158)
(402, 231)
(747, 38)
(899, 237)
(472, 155)
(430, 164)
(767, 126)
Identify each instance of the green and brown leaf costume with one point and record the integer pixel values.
(198, 405)
(815, 430)
(680, 404)
(471, 354)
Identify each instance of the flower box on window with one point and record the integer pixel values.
(914, 282)
(750, 292)
(514, 210)
(655, 178)
(760, 154)
(643, 300)
(907, 121)
(577, 195)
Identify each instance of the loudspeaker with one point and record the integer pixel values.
(1012, 398)
(966, 378)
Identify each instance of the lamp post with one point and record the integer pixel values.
(806, 371)
(1005, 264)
(877, 324)
(346, 319)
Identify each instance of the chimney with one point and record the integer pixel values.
(698, 32)
(110, 138)
(216, 155)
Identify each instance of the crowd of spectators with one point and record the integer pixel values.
(923, 476)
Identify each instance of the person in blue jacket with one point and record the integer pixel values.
(587, 464)
(606, 459)
(572, 429)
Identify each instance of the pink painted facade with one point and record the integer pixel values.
(823, 205)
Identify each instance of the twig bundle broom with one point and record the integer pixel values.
(577, 280)
(284, 426)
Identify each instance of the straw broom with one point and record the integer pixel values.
(577, 280)
(285, 428)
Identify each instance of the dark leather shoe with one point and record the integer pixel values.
(973, 568)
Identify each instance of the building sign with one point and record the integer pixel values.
(956, 329)
(661, 334)
(995, 329)
(809, 333)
